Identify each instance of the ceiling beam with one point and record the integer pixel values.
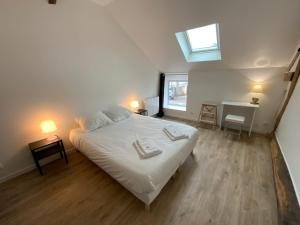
(290, 90)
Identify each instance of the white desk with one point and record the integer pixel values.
(240, 104)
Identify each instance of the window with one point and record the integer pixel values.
(203, 38)
(200, 44)
(176, 91)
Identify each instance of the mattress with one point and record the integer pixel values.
(111, 149)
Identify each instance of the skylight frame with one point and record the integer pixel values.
(204, 55)
(208, 49)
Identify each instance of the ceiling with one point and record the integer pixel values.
(256, 33)
(103, 2)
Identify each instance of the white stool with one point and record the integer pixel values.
(235, 120)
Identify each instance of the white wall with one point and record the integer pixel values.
(288, 137)
(58, 61)
(235, 85)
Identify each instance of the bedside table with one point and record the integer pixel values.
(44, 148)
(143, 112)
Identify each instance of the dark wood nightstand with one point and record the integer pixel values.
(143, 112)
(44, 148)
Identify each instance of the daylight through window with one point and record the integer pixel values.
(203, 38)
(176, 87)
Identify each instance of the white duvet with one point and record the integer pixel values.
(111, 149)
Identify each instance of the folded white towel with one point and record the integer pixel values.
(174, 133)
(146, 148)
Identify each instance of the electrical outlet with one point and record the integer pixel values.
(1, 166)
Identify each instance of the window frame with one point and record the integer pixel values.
(175, 77)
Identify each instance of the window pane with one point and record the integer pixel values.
(177, 93)
(203, 38)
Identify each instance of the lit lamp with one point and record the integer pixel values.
(256, 89)
(49, 127)
(135, 105)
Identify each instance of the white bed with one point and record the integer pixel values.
(111, 149)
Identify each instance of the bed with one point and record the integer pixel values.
(111, 149)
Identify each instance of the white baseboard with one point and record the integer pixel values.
(287, 165)
(17, 173)
(29, 168)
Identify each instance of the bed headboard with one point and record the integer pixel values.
(152, 105)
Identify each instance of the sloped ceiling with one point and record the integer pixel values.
(256, 33)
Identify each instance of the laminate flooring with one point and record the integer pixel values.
(229, 183)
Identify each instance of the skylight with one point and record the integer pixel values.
(203, 38)
(200, 44)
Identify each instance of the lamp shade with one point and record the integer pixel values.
(48, 126)
(134, 104)
(257, 88)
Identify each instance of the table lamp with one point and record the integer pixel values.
(49, 127)
(256, 89)
(135, 105)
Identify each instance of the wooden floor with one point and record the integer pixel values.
(231, 183)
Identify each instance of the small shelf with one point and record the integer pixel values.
(209, 113)
(207, 121)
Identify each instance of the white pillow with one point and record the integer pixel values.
(117, 113)
(93, 122)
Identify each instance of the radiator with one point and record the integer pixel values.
(152, 105)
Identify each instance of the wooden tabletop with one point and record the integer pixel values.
(242, 104)
(42, 143)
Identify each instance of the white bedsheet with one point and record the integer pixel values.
(111, 149)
